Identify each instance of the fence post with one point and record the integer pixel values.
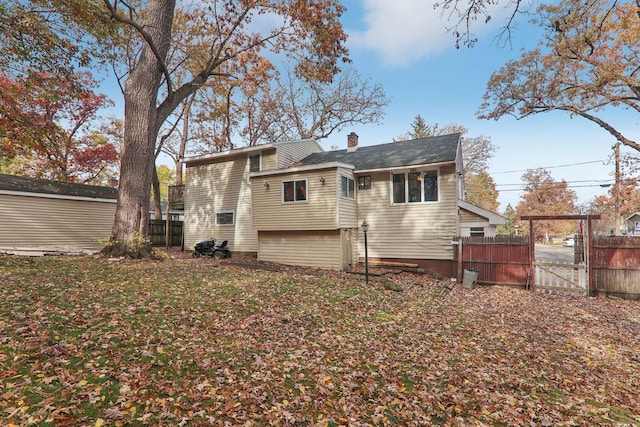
(532, 252)
(589, 258)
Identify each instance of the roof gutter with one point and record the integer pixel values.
(303, 168)
(406, 167)
(57, 196)
(228, 153)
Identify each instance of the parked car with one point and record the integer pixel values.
(568, 242)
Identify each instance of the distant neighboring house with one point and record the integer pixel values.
(308, 209)
(632, 223)
(37, 212)
(476, 221)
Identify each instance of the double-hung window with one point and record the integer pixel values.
(347, 187)
(294, 191)
(415, 187)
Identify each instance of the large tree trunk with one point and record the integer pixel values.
(140, 134)
(157, 197)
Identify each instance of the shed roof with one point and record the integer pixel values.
(423, 151)
(494, 218)
(633, 215)
(14, 183)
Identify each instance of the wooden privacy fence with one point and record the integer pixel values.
(616, 266)
(158, 232)
(504, 260)
(501, 260)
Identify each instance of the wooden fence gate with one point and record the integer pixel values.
(563, 279)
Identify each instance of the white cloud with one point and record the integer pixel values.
(404, 31)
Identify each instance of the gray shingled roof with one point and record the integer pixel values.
(43, 186)
(423, 151)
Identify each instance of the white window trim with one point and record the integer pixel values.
(355, 185)
(406, 188)
(226, 212)
(249, 156)
(294, 202)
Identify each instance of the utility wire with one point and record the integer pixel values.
(599, 182)
(551, 186)
(550, 167)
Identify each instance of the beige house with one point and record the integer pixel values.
(217, 194)
(37, 212)
(307, 209)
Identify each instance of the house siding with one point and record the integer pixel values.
(291, 152)
(220, 187)
(409, 231)
(50, 221)
(318, 249)
(319, 212)
(466, 216)
(347, 208)
(269, 160)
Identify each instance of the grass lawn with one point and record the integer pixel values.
(84, 341)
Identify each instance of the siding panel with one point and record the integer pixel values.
(214, 188)
(29, 221)
(291, 152)
(347, 208)
(318, 213)
(420, 230)
(319, 249)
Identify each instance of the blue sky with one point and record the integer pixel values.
(404, 46)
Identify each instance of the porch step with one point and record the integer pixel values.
(404, 266)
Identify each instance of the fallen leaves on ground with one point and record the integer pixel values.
(186, 341)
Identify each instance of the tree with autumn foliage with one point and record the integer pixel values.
(309, 32)
(613, 205)
(480, 190)
(545, 196)
(44, 121)
(586, 65)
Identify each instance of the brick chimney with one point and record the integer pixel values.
(352, 142)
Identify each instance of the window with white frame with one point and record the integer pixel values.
(225, 218)
(476, 231)
(254, 163)
(414, 187)
(294, 191)
(347, 187)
